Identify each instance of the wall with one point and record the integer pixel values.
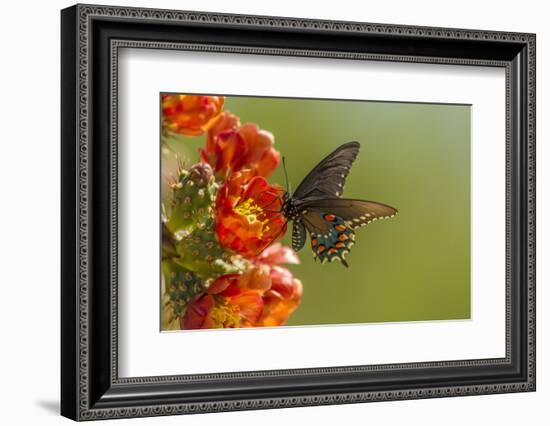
(29, 225)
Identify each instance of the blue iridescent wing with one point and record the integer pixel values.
(329, 219)
(331, 224)
(335, 243)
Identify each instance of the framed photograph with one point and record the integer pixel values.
(263, 212)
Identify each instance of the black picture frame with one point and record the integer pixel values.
(90, 386)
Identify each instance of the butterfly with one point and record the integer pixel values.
(317, 206)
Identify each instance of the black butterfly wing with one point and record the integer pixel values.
(331, 238)
(356, 212)
(327, 178)
(331, 223)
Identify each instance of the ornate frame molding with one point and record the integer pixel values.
(78, 58)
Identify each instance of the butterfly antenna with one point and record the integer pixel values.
(288, 188)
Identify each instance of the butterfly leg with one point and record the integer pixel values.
(283, 229)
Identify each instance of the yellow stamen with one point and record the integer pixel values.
(225, 314)
(252, 212)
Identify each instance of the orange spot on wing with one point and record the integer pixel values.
(329, 217)
(342, 237)
(332, 251)
(314, 241)
(340, 228)
(321, 249)
(340, 245)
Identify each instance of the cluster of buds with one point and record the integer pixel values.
(221, 263)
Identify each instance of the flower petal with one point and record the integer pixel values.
(231, 147)
(250, 305)
(190, 115)
(196, 313)
(222, 283)
(277, 254)
(245, 221)
(256, 278)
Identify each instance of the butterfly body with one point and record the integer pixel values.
(331, 221)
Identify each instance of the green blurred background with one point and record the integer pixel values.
(414, 157)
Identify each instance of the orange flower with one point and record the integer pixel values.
(231, 147)
(225, 122)
(190, 115)
(226, 304)
(248, 216)
(263, 296)
(285, 292)
(281, 299)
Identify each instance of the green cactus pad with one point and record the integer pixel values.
(193, 197)
(201, 253)
(191, 255)
(181, 285)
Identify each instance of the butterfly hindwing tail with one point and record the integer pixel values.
(317, 206)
